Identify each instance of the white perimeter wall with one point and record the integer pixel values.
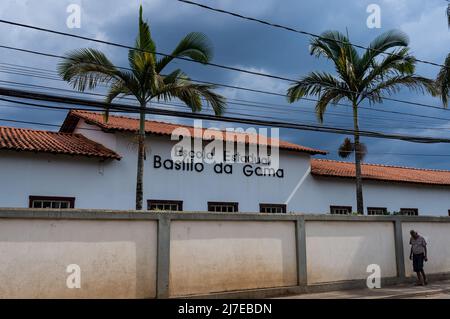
(117, 259)
(111, 185)
(338, 251)
(214, 256)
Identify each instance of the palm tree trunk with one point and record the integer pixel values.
(359, 191)
(141, 154)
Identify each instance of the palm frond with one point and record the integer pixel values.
(443, 81)
(337, 47)
(86, 68)
(388, 40)
(191, 94)
(329, 44)
(400, 63)
(142, 59)
(194, 45)
(174, 76)
(118, 89)
(448, 15)
(331, 96)
(144, 40)
(393, 85)
(315, 84)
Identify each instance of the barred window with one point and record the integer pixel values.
(376, 210)
(165, 205)
(51, 202)
(223, 207)
(272, 208)
(409, 211)
(341, 210)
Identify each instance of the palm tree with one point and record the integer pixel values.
(448, 15)
(86, 68)
(443, 78)
(443, 81)
(359, 78)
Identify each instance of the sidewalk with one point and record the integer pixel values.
(434, 290)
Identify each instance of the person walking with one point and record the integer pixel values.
(418, 255)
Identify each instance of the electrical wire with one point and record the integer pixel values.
(279, 26)
(230, 68)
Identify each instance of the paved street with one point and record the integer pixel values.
(435, 290)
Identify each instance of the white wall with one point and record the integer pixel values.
(117, 259)
(319, 193)
(213, 256)
(111, 184)
(338, 251)
(437, 236)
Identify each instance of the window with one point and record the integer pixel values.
(409, 211)
(376, 211)
(51, 202)
(272, 208)
(340, 210)
(223, 207)
(170, 205)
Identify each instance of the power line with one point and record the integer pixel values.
(279, 26)
(99, 130)
(253, 90)
(123, 46)
(176, 57)
(253, 106)
(161, 112)
(247, 103)
(180, 106)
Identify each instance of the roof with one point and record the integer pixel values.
(19, 139)
(380, 172)
(122, 123)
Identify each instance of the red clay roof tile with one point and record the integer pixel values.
(122, 123)
(51, 142)
(379, 172)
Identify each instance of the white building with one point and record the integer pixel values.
(92, 164)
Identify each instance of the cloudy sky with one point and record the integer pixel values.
(246, 45)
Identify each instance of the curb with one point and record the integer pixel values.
(418, 294)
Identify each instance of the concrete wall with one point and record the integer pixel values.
(215, 256)
(111, 184)
(127, 254)
(117, 259)
(338, 251)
